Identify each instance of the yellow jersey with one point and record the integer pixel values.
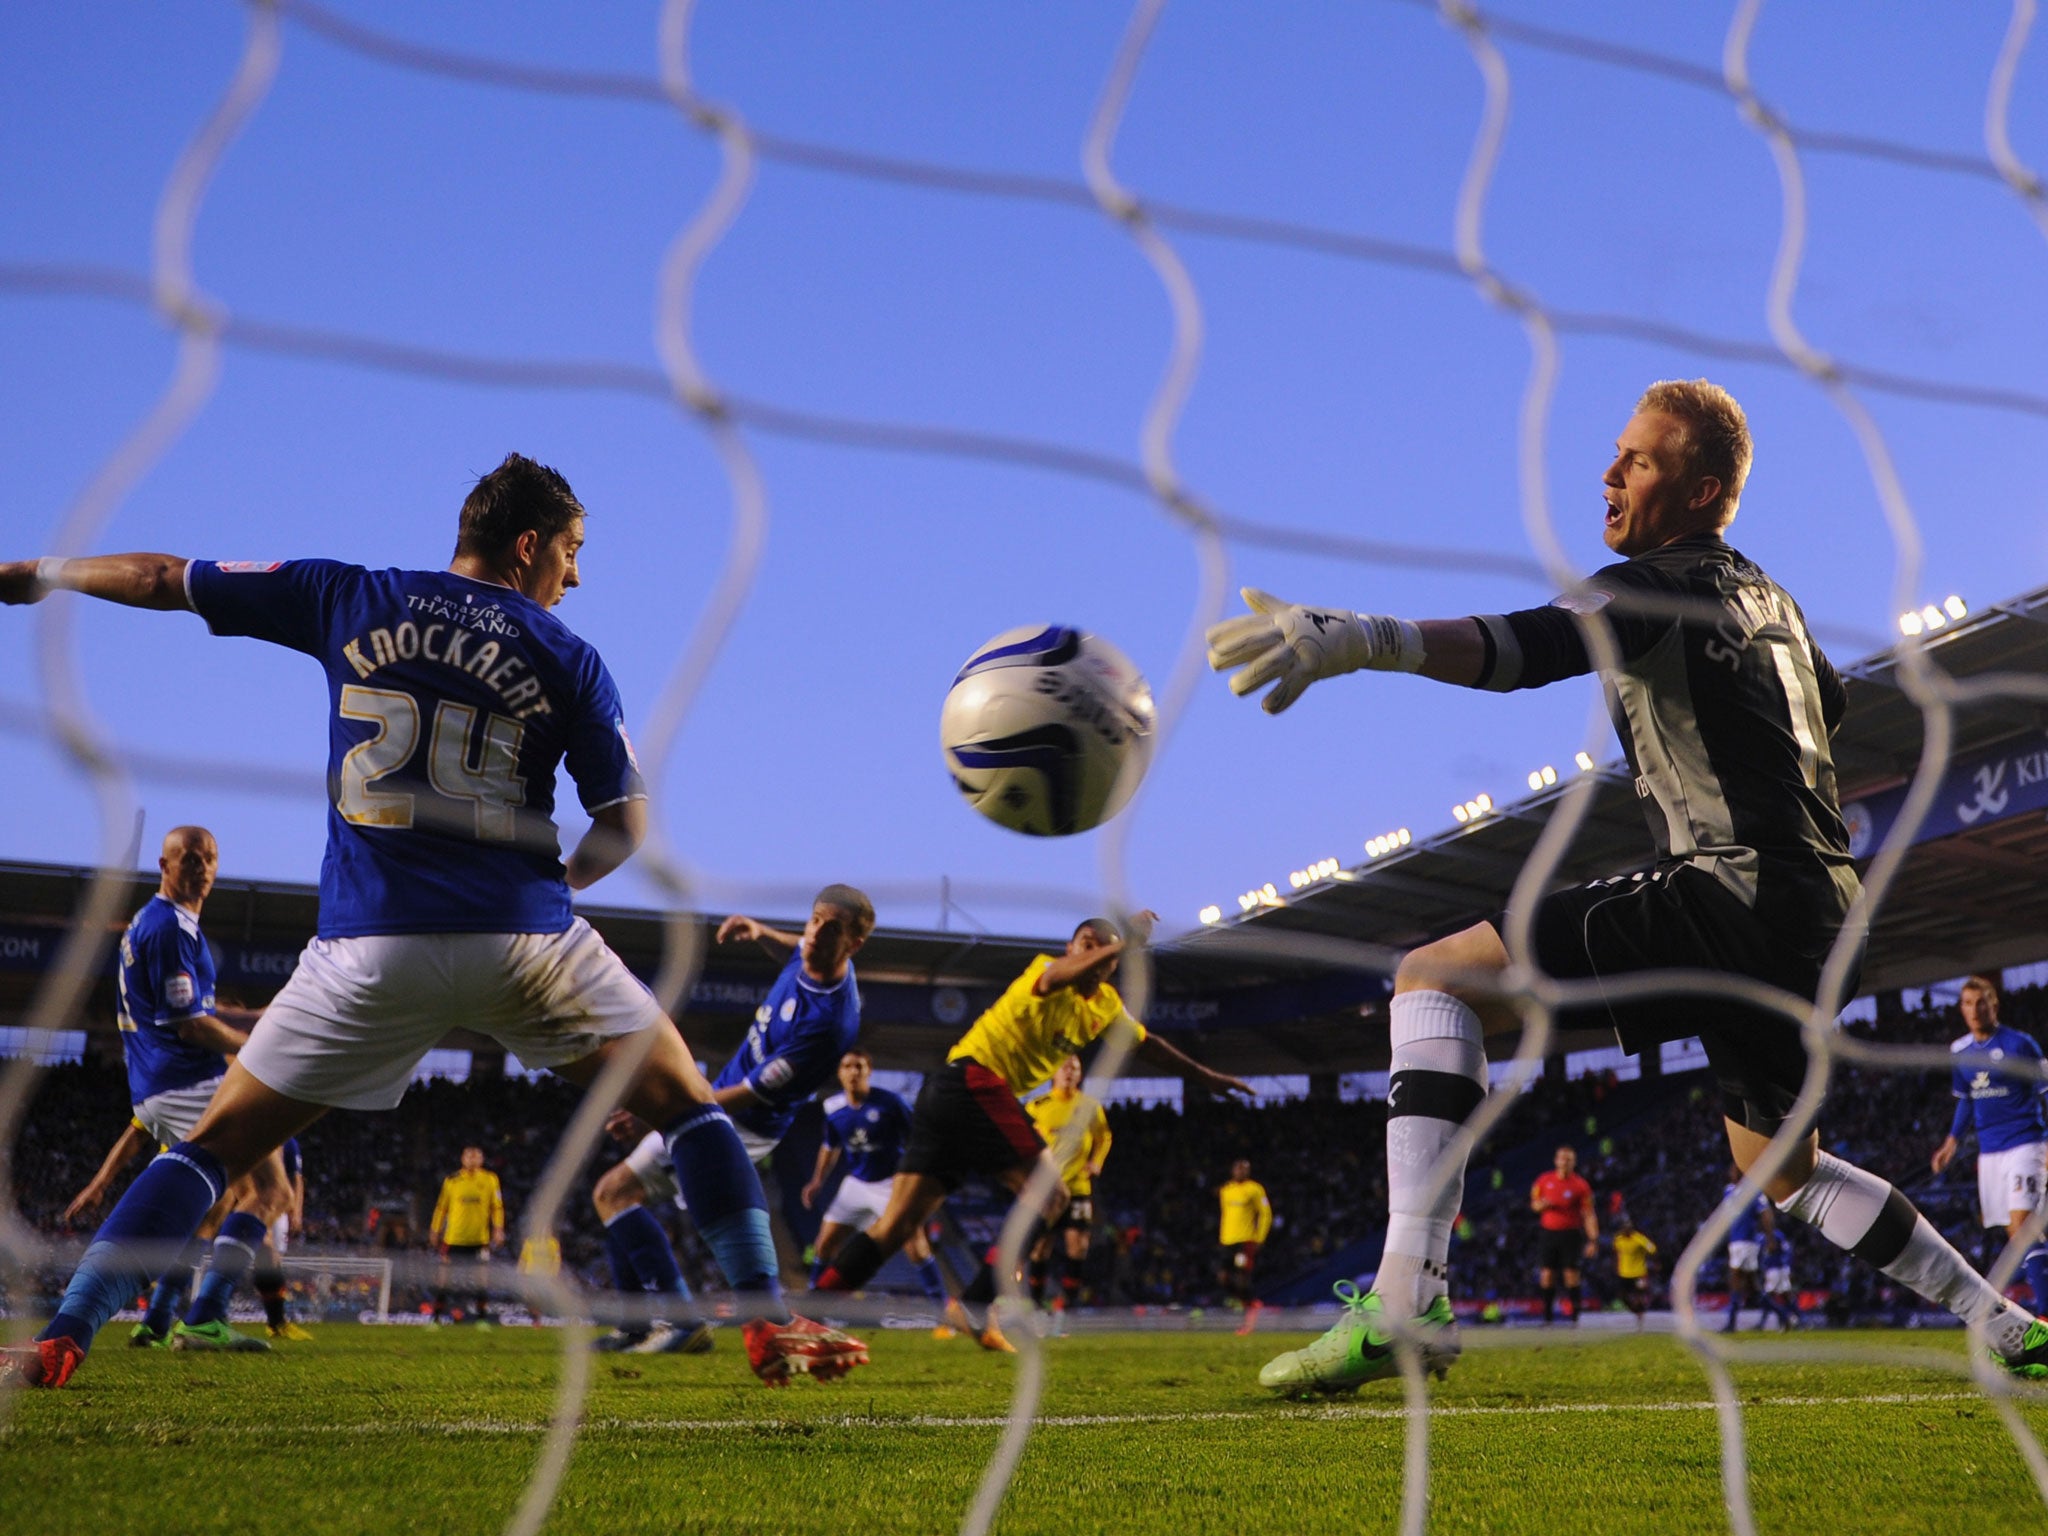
(540, 1256)
(1247, 1213)
(1052, 1113)
(1023, 1037)
(1632, 1253)
(471, 1207)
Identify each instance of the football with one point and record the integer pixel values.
(1047, 730)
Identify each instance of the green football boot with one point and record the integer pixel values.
(146, 1337)
(216, 1336)
(1360, 1348)
(2030, 1360)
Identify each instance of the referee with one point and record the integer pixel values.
(1563, 1203)
(1725, 706)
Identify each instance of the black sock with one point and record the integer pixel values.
(1550, 1303)
(269, 1282)
(1038, 1270)
(981, 1290)
(1573, 1292)
(854, 1265)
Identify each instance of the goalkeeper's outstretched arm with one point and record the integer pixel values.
(134, 581)
(1292, 646)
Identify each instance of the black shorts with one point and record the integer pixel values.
(1079, 1216)
(1561, 1249)
(968, 1122)
(475, 1253)
(1682, 918)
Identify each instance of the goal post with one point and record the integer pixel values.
(319, 1272)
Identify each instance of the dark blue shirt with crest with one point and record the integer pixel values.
(871, 1133)
(793, 1047)
(164, 977)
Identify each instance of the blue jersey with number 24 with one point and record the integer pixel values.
(452, 703)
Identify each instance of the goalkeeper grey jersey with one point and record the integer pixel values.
(1725, 707)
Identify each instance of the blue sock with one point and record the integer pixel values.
(161, 1209)
(724, 1196)
(933, 1282)
(234, 1250)
(619, 1254)
(2035, 1267)
(171, 1287)
(636, 1236)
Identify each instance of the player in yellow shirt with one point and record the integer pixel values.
(1247, 1221)
(968, 1120)
(1081, 1158)
(1633, 1251)
(468, 1222)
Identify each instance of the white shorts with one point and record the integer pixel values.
(358, 1014)
(657, 1175)
(1777, 1281)
(280, 1233)
(2010, 1181)
(173, 1115)
(859, 1201)
(1744, 1256)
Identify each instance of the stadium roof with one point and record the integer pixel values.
(918, 989)
(1266, 990)
(1970, 896)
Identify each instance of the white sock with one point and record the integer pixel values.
(1856, 1210)
(1438, 1075)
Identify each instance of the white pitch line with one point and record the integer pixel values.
(1330, 1414)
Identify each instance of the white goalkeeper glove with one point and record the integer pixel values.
(1299, 646)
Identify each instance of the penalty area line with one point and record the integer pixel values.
(1328, 1413)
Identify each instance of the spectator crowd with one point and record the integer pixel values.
(1654, 1148)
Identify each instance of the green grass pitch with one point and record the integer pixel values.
(411, 1430)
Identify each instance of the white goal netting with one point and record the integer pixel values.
(1511, 331)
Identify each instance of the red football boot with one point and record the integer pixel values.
(800, 1347)
(45, 1363)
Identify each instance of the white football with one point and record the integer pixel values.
(1047, 730)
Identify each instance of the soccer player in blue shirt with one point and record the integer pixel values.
(1745, 1250)
(454, 697)
(801, 1029)
(867, 1127)
(176, 1045)
(2010, 1118)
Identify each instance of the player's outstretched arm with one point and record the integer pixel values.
(615, 832)
(1092, 966)
(1180, 1064)
(133, 1142)
(739, 928)
(828, 1158)
(210, 1034)
(134, 581)
(1293, 646)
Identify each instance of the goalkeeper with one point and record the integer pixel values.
(1725, 707)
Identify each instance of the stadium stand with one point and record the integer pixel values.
(1653, 1145)
(1252, 993)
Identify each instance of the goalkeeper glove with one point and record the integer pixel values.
(1299, 646)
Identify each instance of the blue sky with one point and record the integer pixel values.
(1343, 397)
